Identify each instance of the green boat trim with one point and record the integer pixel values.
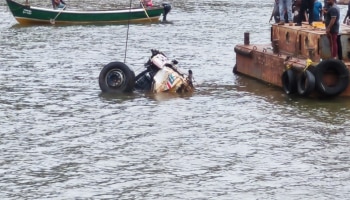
(27, 15)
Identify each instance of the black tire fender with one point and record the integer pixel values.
(289, 82)
(306, 83)
(234, 70)
(116, 77)
(339, 69)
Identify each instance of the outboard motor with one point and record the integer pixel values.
(167, 8)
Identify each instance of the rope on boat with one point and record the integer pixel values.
(144, 9)
(52, 21)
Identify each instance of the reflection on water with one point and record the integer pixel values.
(233, 138)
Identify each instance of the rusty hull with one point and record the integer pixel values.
(294, 44)
(261, 63)
(308, 42)
(342, 2)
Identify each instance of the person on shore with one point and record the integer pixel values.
(285, 6)
(58, 4)
(332, 26)
(317, 11)
(306, 11)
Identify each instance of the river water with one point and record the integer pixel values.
(234, 138)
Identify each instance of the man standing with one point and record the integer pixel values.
(347, 16)
(275, 12)
(332, 27)
(317, 11)
(285, 6)
(306, 5)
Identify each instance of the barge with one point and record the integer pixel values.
(298, 60)
(342, 2)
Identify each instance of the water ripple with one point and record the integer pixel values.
(234, 138)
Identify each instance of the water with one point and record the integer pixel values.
(234, 138)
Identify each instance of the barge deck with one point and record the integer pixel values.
(298, 59)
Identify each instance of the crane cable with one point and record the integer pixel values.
(127, 32)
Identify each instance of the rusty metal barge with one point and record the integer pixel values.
(298, 59)
(342, 2)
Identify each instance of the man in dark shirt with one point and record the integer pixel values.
(332, 26)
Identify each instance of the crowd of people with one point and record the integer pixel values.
(295, 12)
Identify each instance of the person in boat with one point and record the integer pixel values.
(147, 3)
(332, 26)
(58, 4)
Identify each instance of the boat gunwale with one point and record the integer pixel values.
(110, 11)
(92, 11)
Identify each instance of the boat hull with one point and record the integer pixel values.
(342, 2)
(27, 15)
(298, 49)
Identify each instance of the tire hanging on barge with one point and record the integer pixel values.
(338, 72)
(289, 82)
(306, 83)
(234, 70)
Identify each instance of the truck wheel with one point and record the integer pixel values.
(116, 77)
